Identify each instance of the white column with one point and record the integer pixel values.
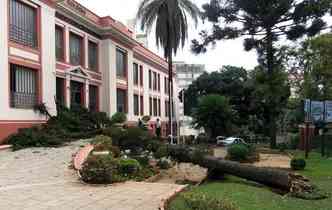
(130, 91)
(67, 81)
(86, 88)
(67, 44)
(86, 52)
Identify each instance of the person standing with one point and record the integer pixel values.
(158, 128)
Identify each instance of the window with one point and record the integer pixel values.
(23, 86)
(93, 56)
(136, 105)
(150, 106)
(23, 24)
(155, 107)
(166, 85)
(150, 79)
(77, 95)
(135, 69)
(59, 44)
(154, 81)
(166, 108)
(159, 108)
(141, 75)
(142, 105)
(158, 85)
(121, 100)
(76, 49)
(60, 91)
(121, 66)
(93, 98)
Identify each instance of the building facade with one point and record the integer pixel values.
(61, 52)
(185, 75)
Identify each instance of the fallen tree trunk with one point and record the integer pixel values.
(277, 178)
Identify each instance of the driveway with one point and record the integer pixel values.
(40, 178)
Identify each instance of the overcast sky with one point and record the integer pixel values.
(225, 52)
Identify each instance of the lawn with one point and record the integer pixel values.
(249, 196)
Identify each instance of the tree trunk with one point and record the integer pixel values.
(273, 133)
(170, 91)
(276, 178)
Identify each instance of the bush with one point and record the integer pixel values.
(128, 166)
(154, 145)
(238, 152)
(201, 201)
(142, 159)
(106, 141)
(118, 117)
(298, 164)
(164, 164)
(134, 138)
(115, 132)
(161, 152)
(282, 147)
(294, 141)
(100, 169)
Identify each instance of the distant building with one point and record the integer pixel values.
(185, 75)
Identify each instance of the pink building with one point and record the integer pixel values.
(62, 52)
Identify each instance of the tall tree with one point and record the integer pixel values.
(214, 114)
(262, 23)
(171, 28)
(230, 81)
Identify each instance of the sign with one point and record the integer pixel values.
(317, 110)
(328, 111)
(307, 108)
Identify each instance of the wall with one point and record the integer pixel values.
(11, 119)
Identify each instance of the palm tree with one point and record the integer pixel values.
(171, 31)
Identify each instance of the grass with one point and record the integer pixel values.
(249, 196)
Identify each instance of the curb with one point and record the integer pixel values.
(5, 147)
(171, 196)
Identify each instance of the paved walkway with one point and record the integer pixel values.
(36, 179)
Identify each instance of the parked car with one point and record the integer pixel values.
(229, 141)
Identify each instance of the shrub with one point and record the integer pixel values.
(118, 117)
(134, 138)
(238, 152)
(161, 152)
(154, 145)
(294, 141)
(115, 132)
(143, 160)
(298, 164)
(201, 201)
(106, 141)
(282, 147)
(129, 166)
(100, 169)
(164, 164)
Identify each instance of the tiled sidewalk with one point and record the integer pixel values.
(35, 179)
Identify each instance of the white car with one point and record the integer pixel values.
(230, 140)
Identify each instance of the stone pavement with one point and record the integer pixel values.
(35, 179)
